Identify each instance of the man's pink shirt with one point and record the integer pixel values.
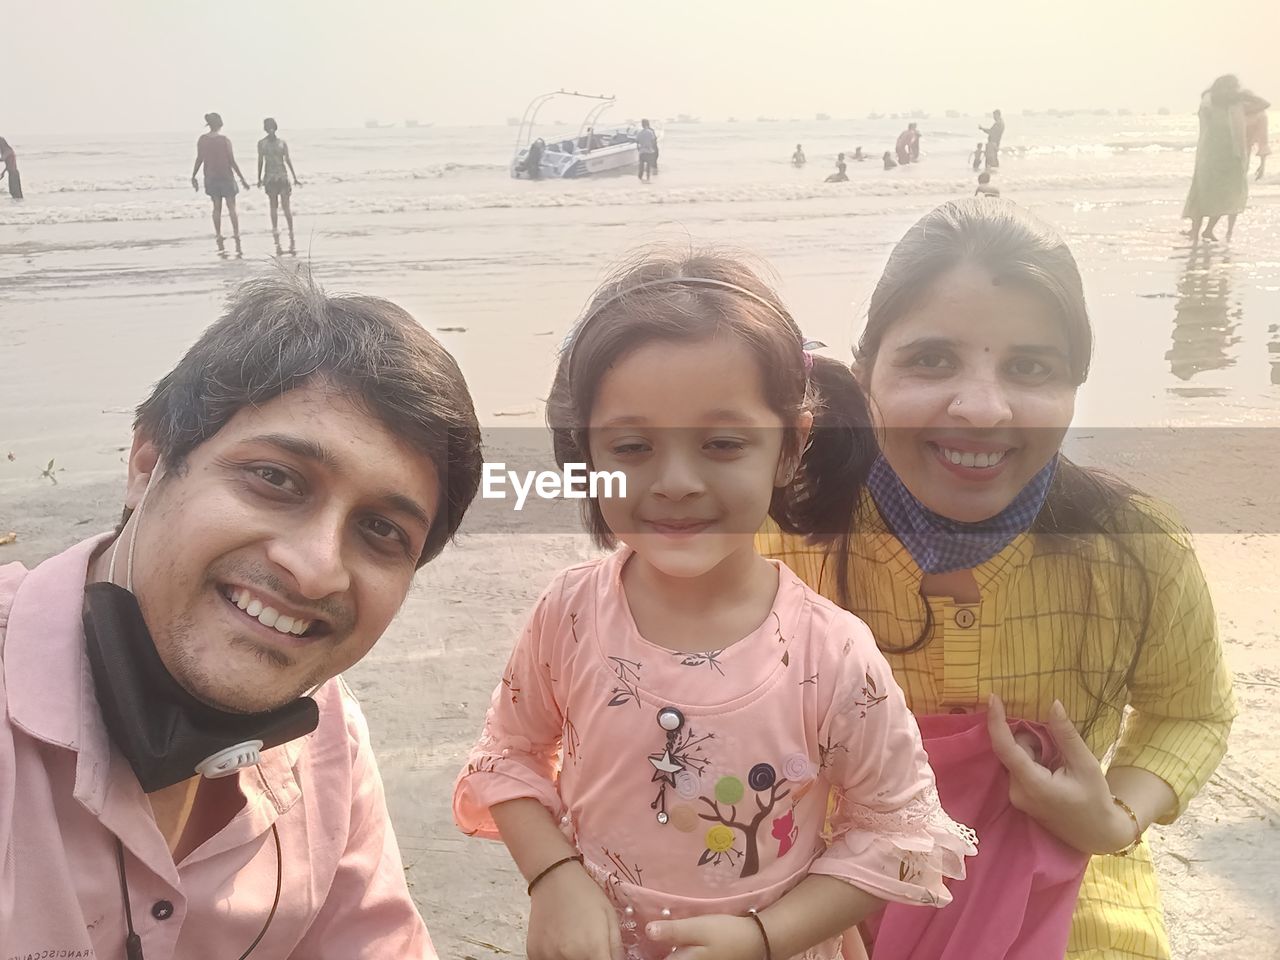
(66, 793)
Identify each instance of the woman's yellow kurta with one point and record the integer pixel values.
(1054, 620)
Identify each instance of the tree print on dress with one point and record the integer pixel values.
(571, 740)
(509, 681)
(627, 673)
(729, 792)
(866, 698)
(777, 629)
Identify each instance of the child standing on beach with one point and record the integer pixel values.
(659, 754)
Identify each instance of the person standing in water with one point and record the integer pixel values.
(10, 161)
(995, 133)
(647, 141)
(214, 153)
(797, 158)
(274, 170)
(1220, 183)
(978, 153)
(908, 145)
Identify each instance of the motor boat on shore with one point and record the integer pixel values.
(593, 151)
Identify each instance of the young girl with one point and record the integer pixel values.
(995, 572)
(659, 755)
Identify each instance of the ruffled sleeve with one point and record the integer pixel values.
(888, 833)
(518, 753)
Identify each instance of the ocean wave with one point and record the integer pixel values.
(613, 194)
(149, 183)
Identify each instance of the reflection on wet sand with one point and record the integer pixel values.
(1206, 316)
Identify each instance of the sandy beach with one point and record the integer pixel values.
(1183, 398)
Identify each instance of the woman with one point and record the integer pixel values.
(10, 161)
(996, 572)
(1220, 184)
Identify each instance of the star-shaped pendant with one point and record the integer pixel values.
(664, 768)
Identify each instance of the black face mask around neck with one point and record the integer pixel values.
(165, 733)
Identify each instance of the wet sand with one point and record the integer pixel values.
(1185, 340)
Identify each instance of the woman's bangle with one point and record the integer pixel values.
(1137, 828)
(577, 858)
(764, 934)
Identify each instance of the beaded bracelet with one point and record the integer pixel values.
(764, 934)
(1137, 829)
(577, 858)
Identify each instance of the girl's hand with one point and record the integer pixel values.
(713, 937)
(570, 918)
(1073, 802)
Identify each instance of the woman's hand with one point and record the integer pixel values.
(571, 919)
(713, 937)
(1073, 802)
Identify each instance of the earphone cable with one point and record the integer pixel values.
(133, 943)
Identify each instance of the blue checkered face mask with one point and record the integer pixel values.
(939, 544)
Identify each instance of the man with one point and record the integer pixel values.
(285, 482)
(214, 153)
(994, 133)
(647, 141)
(273, 158)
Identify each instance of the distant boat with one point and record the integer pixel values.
(875, 116)
(1124, 112)
(416, 125)
(822, 116)
(685, 118)
(1027, 112)
(1163, 111)
(919, 115)
(953, 114)
(1102, 112)
(766, 119)
(732, 120)
(375, 125)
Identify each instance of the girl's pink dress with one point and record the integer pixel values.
(1020, 892)
(723, 807)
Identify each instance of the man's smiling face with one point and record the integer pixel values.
(277, 554)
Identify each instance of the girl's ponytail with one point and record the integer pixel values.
(833, 467)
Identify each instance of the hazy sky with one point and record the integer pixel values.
(141, 65)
